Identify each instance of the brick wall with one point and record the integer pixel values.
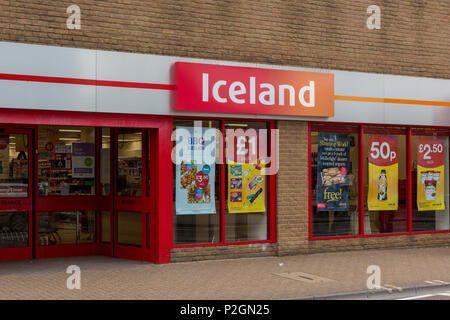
(223, 252)
(414, 38)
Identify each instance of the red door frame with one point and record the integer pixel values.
(161, 127)
(106, 201)
(20, 204)
(66, 203)
(142, 204)
(408, 131)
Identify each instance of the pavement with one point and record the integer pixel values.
(337, 275)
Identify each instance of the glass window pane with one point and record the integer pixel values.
(106, 226)
(246, 185)
(66, 227)
(13, 229)
(129, 228)
(129, 164)
(105, 162)
(66, 161)
(334, 183)
(13, 165)
(430, 182)
(385, 205)
(196, 205)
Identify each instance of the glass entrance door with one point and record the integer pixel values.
(132, 201)
(67, 191)
(16, 196)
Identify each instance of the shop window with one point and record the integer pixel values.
(66, 227)
(66, 161)
(385, 180)
(221, 191)
(13, 229)
(196, 184)
(106, 226)
(246, 185)
(13, 165)
(430, 179)
(129, 228)
(334, 181)
(105, 162)
(129, 164)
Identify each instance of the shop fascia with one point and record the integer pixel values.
(236, 90)
(238, 93)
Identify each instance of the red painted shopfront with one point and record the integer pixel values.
(99, 182)
(106, 216)
(120, 221)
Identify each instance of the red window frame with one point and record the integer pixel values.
(363, 128)
(271, 207)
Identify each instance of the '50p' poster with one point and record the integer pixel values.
(383, 173)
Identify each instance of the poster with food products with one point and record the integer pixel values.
(195, 179)
(246, 187)
(333, 176)
(383, 173)
(430, 174)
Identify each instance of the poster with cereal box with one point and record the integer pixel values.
(195, 176)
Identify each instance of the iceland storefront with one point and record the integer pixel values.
(165, 159)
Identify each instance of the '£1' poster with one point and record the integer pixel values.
(430, 174)
(246, 187)
(383, 173)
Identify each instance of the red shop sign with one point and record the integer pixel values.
(217, 88)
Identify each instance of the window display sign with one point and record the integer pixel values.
(333, 180)
(195, 178)
(383, 173)
(430, 174)
(246, 187)
(83, 160)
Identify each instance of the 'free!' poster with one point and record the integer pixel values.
(246, 187)
(430, 174)
(383, 173)
(332, 172)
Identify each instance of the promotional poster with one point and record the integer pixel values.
(333, 178)
(430, 174)
(246, 187)
(195, 178)
(383, 173)
(83, 160)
